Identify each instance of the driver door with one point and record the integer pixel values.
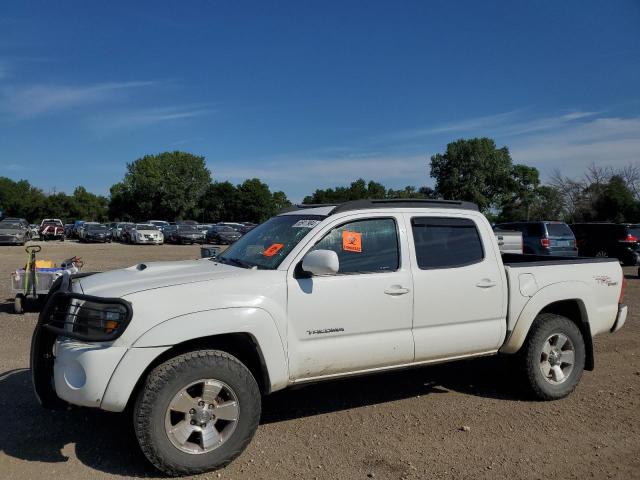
(359, 318)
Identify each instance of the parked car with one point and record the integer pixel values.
(161, 224)
(22, 221)
(183, 234)
(247, 227)
(222, 235)
(34, 230)
(314, 294)
(14, 232)
(51, 229)
(509, 241)
(144, 233)
(68, 230)
(119, 230)
(608, 240)
(95, 233)
(236, 226)
(77, 225)
(203, 227)
(82, 230)
(544, 238)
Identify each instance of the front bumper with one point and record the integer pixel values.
(81, 371)
(97, 239)
(154, 241)
(190, 240)
(11, 239)
(620, 318)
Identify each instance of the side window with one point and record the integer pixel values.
(446, 242)
(365, 246)
(534, 230)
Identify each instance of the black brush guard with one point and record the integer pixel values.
(48, 329)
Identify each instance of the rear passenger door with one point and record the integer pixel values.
(459, 300)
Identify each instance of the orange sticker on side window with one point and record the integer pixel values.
(273, 249)
(352, 241)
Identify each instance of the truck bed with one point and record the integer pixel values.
(536, 281)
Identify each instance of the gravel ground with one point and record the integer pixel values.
(396, 425)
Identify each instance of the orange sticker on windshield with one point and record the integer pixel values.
(352, 241)
(273, 249)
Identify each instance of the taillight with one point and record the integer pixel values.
(545, 242)
(631, 239)
(624, 286)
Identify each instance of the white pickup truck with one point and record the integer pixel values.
(313, 294)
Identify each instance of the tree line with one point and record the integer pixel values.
(476, 170)
(178, 185)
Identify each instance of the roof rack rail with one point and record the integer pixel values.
(404, 203)
(302, 206)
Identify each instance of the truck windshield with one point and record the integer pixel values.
(268, 244)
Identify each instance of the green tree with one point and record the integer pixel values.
(280, 201)
(473, 170)
(616, 202)
(522, 195)
(255, 201)
(168, 185)
(220, 202)
(358, 190)
(21, 199)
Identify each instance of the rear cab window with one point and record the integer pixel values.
(444, 242)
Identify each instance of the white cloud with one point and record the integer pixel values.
(129, 119)
(31, 101)
(607, 141)
(323, 170)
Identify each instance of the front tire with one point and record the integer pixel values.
(552, 357)
(197, 412)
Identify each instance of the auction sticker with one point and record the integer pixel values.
(305, 223)
(273, 249)
(352, 241)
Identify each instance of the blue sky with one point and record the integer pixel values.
(308, 95)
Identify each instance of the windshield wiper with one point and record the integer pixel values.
(235, 261)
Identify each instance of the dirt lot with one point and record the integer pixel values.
(400, 425)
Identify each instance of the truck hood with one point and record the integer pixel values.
(148, 276)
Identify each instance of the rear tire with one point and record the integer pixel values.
(18, 304)
(552, 357)
(169, 432)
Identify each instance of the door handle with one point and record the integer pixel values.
(486, 283)
(396, 290)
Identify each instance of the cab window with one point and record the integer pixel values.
(446, 242)
(364, 246)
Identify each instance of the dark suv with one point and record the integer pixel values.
(544, 238)
(608, 240)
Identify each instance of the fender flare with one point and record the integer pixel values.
(555, 292)
(255, 322)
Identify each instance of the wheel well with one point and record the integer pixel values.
(575, 311)
(241, 345)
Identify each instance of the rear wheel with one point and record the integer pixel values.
(602, 254)
(18, 304)
(553, 357)
(197, 412)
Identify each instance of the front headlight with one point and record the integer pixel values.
(87, 318)
(98, 321)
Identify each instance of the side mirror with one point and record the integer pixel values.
(321, 262)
